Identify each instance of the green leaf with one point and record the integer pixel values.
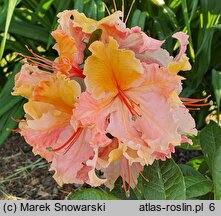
(79, 5)
(210, 138)
(91, 9)
(94, 37)
(119, 192)
(196, 184)
(196, 162)
(90, 194)
(29, 30)
(163, 181)
(6, 121)
(11, 7)
(5, 94)
(135, 18)
(142, 20)
(100, 9)
(216, 82)
(11, 107)
(10, 104)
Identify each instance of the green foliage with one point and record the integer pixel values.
(196, 184)
(12, 109)
(163, 181)
(11, 7)
(90, 194)
(216, 82)
(210, 139)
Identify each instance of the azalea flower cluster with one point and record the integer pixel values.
(108, 105)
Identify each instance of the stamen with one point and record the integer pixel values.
(49, 62)
(115, 6)
(107, 9)
(137, 187)
(123, 179)
(193, 109)
(130, 104)
(131, 6)
(194, 104)
(39, 61)
(69, 143)
(73, 141)
(18, 120)
(13, 130)
(129, 175)
(194, 100)
(122, 8)
(42, 62)
(35, 62)
(144, 177)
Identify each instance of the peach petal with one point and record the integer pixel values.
(67, 165)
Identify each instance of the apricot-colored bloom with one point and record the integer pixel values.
(48, 110)
(47, 124)
(126, 115)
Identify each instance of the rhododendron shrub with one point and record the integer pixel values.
(108, 105)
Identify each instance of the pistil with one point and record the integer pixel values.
(130, 104)
(69, 143)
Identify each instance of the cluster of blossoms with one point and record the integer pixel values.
(109, 104)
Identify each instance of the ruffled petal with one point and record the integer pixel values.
(59, 91)
(139, 42)
(27, 79)
(89, 25)
(109, 69)
(43, 133)
(66, 47)
(159, 80)
(157, 125)
(183, 40)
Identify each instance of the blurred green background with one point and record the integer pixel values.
(29, 22)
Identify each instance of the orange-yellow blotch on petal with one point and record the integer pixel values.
(117, 153)
(24, 90)
(109, 69)
(59, 91)
(36, 109)
(181, 65)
